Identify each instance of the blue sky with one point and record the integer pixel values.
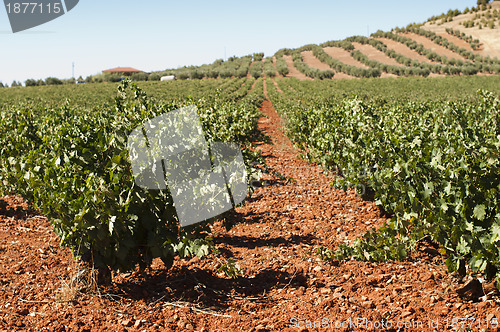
(156, 35)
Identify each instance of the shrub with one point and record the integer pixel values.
(28, 82)
(183, 75)
(258, 56)
(269, 69)
(139, 77)
(256, 69)
(53, 81)
(154, 77)
(225, 74)
(212, 73)
(195, 74)
(112, 78)
(281, 66)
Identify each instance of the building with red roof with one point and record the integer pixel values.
(125, 71)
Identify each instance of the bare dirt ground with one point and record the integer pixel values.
(429, 44)
(314, 62)
(490, 38)
(294, 72)
(340, 75)
(285, 286)
(373, 54)
(343, 56)
(457, 41)
(438, 75)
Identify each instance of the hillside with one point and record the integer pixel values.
(454, 43)
(450, 44)
(475, 24)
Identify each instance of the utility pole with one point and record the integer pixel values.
(73, 70)
(225, 53)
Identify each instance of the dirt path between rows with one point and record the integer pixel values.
(285, 286)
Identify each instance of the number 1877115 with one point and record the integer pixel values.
(34, 8)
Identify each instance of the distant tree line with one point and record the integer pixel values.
(47, 81)
(232, 67)
(448, 17)
(483, 2)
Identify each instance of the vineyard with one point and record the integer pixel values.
(373, 174)
(389, 180)
(430, 164)
(72, 163)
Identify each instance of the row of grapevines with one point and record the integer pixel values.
(392, 89)
(433, 165)
(89, 95)
(72, 163)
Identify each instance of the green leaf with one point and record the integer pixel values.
(495, 232)
(479, 212)
(428, 189)
(463, 247)
(111, 224)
